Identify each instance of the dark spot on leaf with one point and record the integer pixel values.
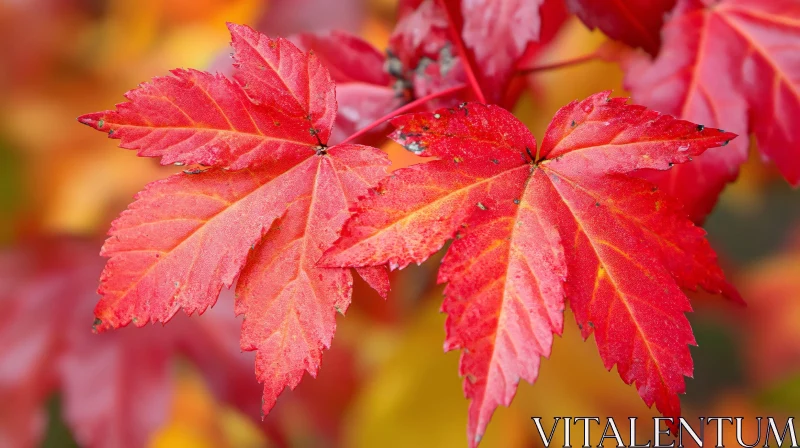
(101, 123)
(425, 128)
(276, 123)
(597, 204)
(725, 143)
(496, 162)
(700, 127)
(530, 154)
(516, 201)
(591, 324)
(671, 164)
(135, 320)
(313, 131)
(573, 124)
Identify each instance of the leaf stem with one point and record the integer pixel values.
(462, 52)
(401, 110)
(541, 68)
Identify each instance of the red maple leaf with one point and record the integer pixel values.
(48, 289)
(635, 22)
(732, 65)
(274, 198)
(533, 226)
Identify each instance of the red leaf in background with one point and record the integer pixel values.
(498, 32)
(634, 22)
(188, 236)
(364, 91)
(525, 220)
(731, 65)
(421, 55)
(117, 387)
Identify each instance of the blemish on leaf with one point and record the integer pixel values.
(414, 147)
(457, 159)
(437, 116)
(516, 201)
(496, 162)
(481, 206)
(597, 204)
(573, 124)
(101, 123)
(700, 128)
(725, 143)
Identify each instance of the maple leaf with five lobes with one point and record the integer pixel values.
(533, 226)
(273, 198)
(734, 65)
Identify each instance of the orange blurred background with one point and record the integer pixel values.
(386, 381)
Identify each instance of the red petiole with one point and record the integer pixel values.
(462, 53)
(401, 110)
(556, 65)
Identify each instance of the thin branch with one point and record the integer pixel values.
(462, 52)
(541, 68)
(401, 110)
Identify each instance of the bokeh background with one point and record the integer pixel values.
(386, 381)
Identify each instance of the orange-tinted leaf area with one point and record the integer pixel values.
(116, 388)
(635, 22)
(731, 64)
(263, 197)
(533, 226)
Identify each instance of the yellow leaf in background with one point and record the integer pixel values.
(414, 397)
(198, 421)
